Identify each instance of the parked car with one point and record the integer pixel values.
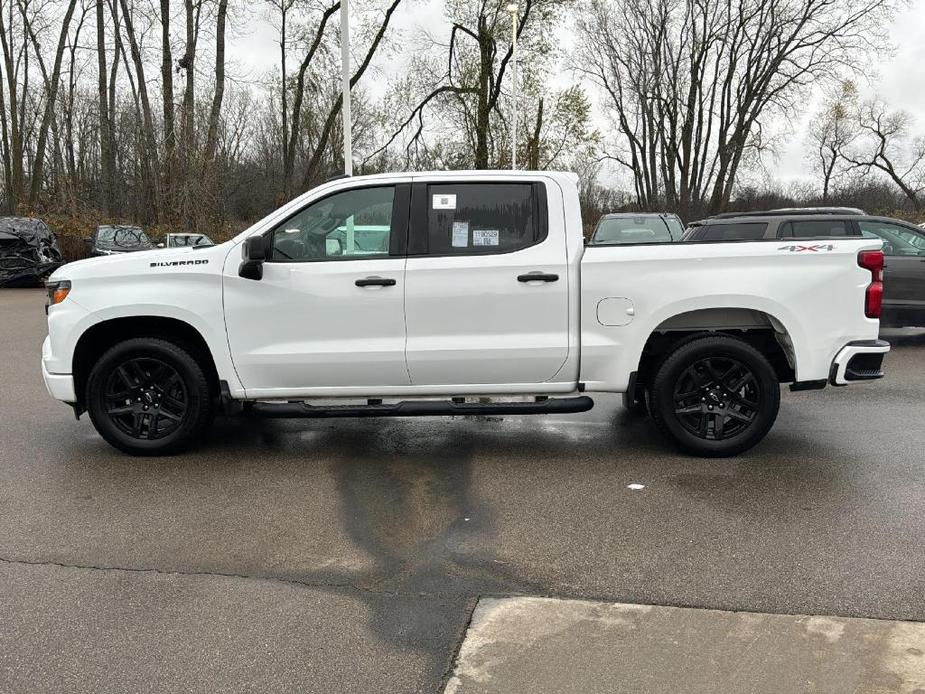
(904, 247)
(637, 227)
(484, 291)
(185, 240)
(29, 252)
(118, 238)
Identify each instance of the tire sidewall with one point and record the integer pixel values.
(662, 395)
(188, 370)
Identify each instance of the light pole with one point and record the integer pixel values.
(512, 8)
(345, 67)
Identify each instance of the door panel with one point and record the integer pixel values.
(470, 320)
(329, 309)
(904, 273)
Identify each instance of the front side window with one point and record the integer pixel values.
(814, 228)
(476, 218)
(353, 224)
(897, 240)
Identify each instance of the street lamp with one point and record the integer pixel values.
(512, 8)
(345, 67)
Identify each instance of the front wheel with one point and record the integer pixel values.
(715, 396)
(148, 396)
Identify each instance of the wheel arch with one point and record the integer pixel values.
(99, 337)
(762, 330)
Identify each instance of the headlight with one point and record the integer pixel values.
(57, 292)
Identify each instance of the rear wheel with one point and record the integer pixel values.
(715, 396)
(148, 396)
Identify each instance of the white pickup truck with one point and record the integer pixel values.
(455, 293)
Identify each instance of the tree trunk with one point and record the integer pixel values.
(107, 153)
(170, 135)
(16, 177)
(483, 111)
(533, 152)
(149, 161)
(51, 97)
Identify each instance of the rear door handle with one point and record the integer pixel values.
(537, 277)
(375, 282)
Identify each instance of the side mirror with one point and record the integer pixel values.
(254, 253)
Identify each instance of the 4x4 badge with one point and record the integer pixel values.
(815, 248)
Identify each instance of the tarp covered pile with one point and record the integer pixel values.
(28, 252)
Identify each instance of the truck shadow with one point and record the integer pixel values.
(408, 497)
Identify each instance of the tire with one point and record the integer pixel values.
(715, 396)
(148, 396)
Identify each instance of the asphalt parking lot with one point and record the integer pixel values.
(348, 555)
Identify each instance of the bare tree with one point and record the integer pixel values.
(468, 79)
(689, 82)
(885, 146)
(107, 143)
(52, 82)
(831, 132)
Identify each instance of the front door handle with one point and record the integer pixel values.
(375, 282)
(537, 277)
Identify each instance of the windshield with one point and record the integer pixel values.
(651, 229)
(122, 238)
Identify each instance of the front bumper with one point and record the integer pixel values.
(59, 386)
(861, 360)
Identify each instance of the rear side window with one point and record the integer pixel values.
(742, 231)
(813, 228)
(479, 218)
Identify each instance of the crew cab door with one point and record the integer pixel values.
(473, 313)
(328, 311)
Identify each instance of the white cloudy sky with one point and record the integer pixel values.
(898, 75)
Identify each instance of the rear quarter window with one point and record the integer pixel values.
(814, 228)
(741, 231)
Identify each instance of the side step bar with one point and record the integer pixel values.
(417, 408)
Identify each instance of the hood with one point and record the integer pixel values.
(155, 260)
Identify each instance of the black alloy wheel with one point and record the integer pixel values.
(717, 398)
(146, 398)
(149, 396)
(714, 396)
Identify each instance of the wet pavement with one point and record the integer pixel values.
(348, 555)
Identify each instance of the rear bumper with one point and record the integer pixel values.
(858, 361)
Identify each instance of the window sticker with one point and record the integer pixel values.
(446, 201)
(484, 237)
(460, 234)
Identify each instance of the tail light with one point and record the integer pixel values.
(873, 299)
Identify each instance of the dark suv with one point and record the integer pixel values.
(904, 246)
